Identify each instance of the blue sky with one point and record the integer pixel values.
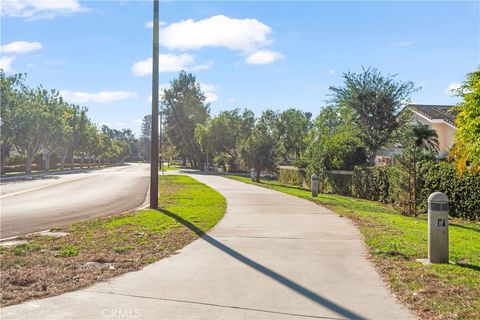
(252, 54)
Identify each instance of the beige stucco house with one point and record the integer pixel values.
(441, 118)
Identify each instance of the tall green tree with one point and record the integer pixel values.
(145, 138)
(466, 151)
(376, 100)
(334, 141)
(184, 107)
(292, 127)
(258, 150)
(11, 87)
(419, 143)
(32, 124)
(221, 135)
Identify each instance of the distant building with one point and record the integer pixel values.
(441, 118)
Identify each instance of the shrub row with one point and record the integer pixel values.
(463, 191)
(384, 184)
(292, 175)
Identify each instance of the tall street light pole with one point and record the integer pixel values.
(154, 146)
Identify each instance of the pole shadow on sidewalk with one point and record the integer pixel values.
(266, 271)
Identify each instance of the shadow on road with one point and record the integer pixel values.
(266, 271)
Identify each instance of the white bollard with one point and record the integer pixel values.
(253, 174)
(438, 228)
(314, 184)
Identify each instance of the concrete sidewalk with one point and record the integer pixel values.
(273, 256)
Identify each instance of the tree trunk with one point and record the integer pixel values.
(3, 157)
(257, 174)
(46, 161)
(82, 159)
(28, 163)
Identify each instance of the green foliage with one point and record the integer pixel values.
(334, 141)
(39, 124)
(292, 176)
(466, 151)
(292, 126)
(258, 150)
(371, 183)
(69, 251)
(338, 183)
(463, 190)
(184, 108)
(419, 143)
(221, 135)
(375, 100)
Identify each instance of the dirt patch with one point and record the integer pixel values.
(55, 266)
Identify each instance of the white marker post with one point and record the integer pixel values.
(438, 228)
(253, 174)
(314, 185)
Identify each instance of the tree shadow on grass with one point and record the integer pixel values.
(468, 266)
(455, 225)
(266, 271)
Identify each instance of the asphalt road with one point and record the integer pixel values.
(54, 200)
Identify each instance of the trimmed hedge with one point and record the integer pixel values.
(383, 184)
(292, 175)
(463, 191)
(371, 183)
(338, 183)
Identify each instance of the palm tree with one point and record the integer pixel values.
(425, 138)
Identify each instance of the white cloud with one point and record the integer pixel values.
(264, 57)
(398, 44)
(34, 9)
(245, 35)
(232, 100)
(149, 24)
(332, 72)
(209, 92)
(6, 63)
(450, 90)
(96, 97)
(168, 63)
(138, 120)
(21, 47)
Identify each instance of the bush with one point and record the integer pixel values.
(292, 175)
(463, 190)
(371, 183)
(338, 183)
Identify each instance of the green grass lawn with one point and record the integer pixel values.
(441, 291)
(99, 249)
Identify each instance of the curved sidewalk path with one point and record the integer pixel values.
(273, 256)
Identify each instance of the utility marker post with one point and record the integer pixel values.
(438, 228)
(314, 185)
(154, 146)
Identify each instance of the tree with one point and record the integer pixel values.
(466, 151)
(334, 141)
(257, 151)
(145, 139)
(221, 135)
(32, 124)
(11, 88)
(184, 108)
(54, 131)
(419, 143)
(292, 128)
(376, 100)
